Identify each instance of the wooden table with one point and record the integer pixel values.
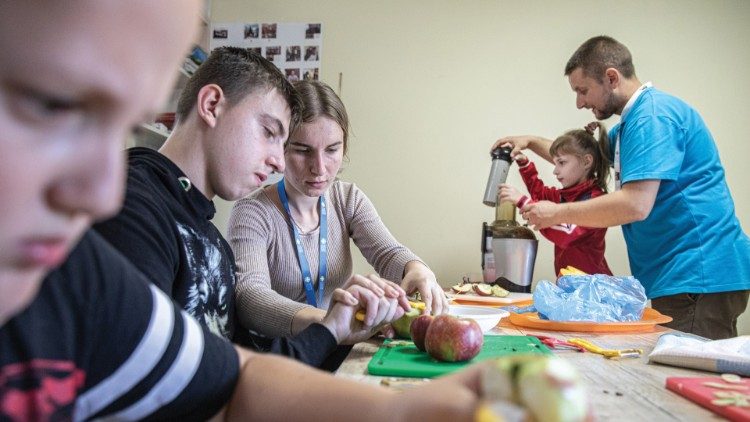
(620, 390)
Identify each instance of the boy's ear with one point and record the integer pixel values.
(210, 103)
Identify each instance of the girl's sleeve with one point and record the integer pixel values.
(535, 186)
(259, 307)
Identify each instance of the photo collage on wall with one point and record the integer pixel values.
(295, 48)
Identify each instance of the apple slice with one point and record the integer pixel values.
(483, 289)
(461, 288)
(498, 291)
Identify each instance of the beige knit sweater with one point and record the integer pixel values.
(269, 281)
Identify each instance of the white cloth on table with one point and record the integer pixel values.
(730, 355)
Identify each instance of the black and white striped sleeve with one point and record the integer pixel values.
(149, 359)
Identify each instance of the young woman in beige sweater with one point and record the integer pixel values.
(314, 210)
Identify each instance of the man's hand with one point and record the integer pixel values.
(539, 145)
(541, 215)
(518, 143)
(509, 193)
(419, 278)
(382, 301)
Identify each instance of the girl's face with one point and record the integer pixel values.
(571, 169)
(313, 156)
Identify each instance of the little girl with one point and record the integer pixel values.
(582, 167)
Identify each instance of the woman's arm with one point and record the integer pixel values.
(391, 259)
(260, 307)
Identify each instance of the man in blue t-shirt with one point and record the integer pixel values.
(684, 241)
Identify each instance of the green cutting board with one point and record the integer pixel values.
(408, 361)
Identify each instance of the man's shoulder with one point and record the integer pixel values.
(656, 102)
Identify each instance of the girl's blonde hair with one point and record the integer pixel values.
(580, 142)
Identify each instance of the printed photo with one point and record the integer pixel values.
(293, 53)
(311, 74)
(272, 52)
(221, 33)
(292, 75)
(251, 30)
(311, 53)
(313, 30)
(268, 30)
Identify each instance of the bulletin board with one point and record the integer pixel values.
(295, 48)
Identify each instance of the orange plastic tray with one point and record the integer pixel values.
(651, 317)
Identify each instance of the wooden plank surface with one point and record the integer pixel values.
(622, 390)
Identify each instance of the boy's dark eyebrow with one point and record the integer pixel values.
(275, 122)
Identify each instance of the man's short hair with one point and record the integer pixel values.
(598, 54)
(239, 72)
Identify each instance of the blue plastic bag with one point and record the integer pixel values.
(598, 298)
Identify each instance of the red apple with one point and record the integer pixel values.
(418, 330)
(451, 339)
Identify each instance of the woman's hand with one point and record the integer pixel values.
(380, 287)
(419, 278)
(379, 310)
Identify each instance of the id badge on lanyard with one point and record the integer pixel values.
(304, 266)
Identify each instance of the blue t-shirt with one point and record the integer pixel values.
(691, 242)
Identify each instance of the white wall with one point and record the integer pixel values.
(429, 85)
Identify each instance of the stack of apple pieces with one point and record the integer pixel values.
(482, 289)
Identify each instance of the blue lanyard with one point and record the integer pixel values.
(323, 249)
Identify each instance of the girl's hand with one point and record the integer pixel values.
(509, 193)
(419, 278)
(521, 159)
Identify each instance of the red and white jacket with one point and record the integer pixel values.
(581, 247)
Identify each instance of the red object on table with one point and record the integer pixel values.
(554, 343)
(694, 389)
